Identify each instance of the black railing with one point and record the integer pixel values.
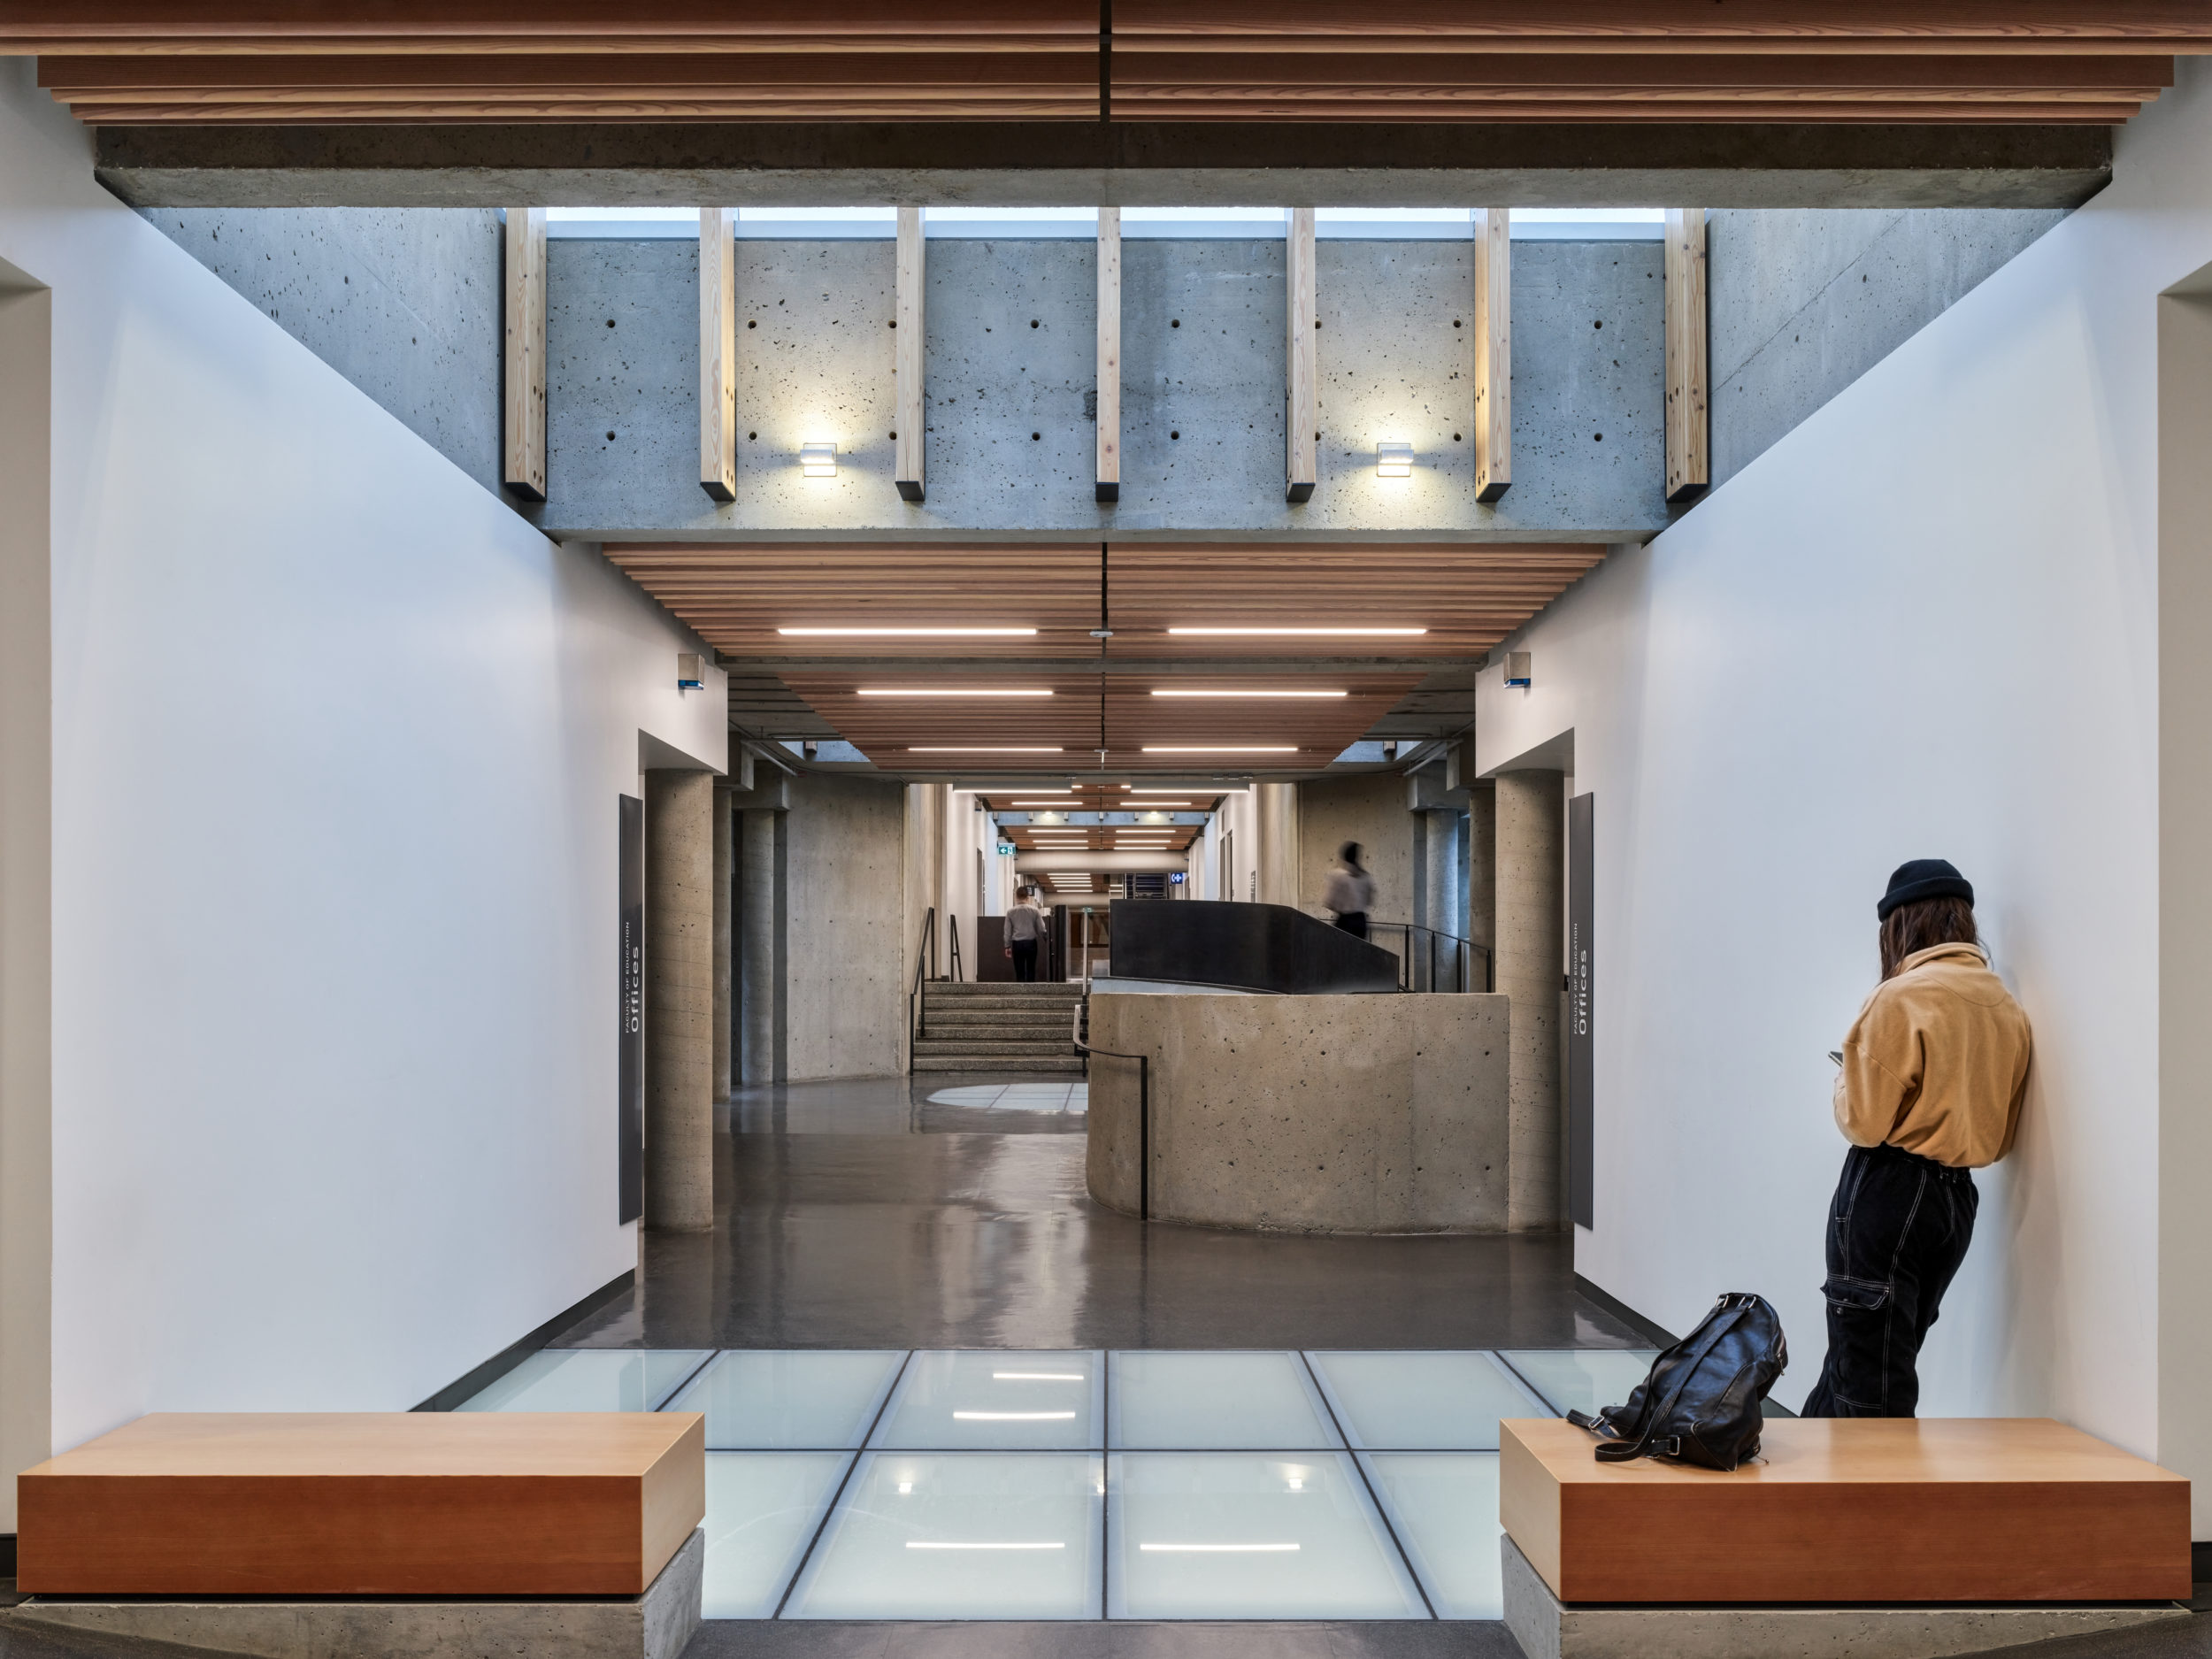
(924, 968)
(952, 933)
(1432, 960)
(1144, 1107)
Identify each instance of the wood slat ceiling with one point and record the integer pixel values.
(303, 61)
(1088, 712)
(1094, 797)
(1467, 595)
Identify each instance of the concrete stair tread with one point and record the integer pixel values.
(966, 1045)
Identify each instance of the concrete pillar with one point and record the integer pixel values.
(1275, 808)
(926, 804)
(724, 967)
(679, 1001)
(1482, 863)
(756, 946)
(1441, 892)
(1531, 902)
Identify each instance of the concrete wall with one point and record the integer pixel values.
(1928, 621)
(845, 869)
(1203, 389)
(336, 741)
(1369, 808)
(1306, 1114)
(403, 302)
(1806, 300)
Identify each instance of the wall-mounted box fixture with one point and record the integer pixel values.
(1516, 668)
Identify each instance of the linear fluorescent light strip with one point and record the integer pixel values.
(963, 691)
(1221, 749)
(926, 1543)
(1309, 633)
(1251, 694)
(1011, 1417)
(970, 748)
(1219, 1549)
(907, 633)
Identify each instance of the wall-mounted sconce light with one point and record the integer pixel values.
(1394, 460)
(809, 748)
(691, 671)
(817, 460)
(1517, 669)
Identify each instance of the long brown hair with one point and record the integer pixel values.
(1923, 924)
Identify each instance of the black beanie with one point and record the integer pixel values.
(1924, 878)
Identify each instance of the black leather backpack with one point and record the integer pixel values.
(1700, 1403)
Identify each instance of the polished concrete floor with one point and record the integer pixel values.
(860, 1215)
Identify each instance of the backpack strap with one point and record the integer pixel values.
(1667, 1445)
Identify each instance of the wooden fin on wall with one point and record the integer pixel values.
(718, 352)
(1302, 399)
(522, 402)
(1109, 354)
(907, 356)
(1494, 353)
(1689, 420)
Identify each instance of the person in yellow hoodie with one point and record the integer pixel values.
(1928, 1088)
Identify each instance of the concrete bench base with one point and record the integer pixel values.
(656, 1626)
(1548, 1629)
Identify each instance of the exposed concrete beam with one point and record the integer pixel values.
(1087, 164)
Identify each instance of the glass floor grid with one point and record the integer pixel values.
(976, 1485)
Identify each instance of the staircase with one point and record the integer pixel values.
(998, 1026)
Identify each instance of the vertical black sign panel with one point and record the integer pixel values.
(1581, 1116)
(630, 1010)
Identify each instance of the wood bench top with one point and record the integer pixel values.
(370, 1503)
(340, 1444)
(1953, 1509)
(1844, 1451)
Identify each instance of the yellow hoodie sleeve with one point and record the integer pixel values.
(1880, 1074)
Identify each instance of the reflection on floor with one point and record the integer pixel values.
(865, 1214)
(1077, 1484)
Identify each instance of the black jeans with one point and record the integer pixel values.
(1354, 923)
(1897, 1230)
(1024, 959)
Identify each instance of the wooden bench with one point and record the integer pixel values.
(1951, 1511)
(372, 1504)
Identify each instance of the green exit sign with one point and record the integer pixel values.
(1006, 849)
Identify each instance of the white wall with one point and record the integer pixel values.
(1925, 623)
(337, 739)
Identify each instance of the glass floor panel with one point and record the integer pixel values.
(1444, 1508)
(590, 1379)
(1582, 1378)
(996, 1402)
(769, 1398)
(1215, 1400)
(966, 1536)
(1244, 1535)
(1425, 1402)
(763, 1510)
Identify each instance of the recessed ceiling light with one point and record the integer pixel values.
(971, 749)
(1221, 749)
(1311, 632)
(1060, 803)
(1179, 693)
(954, 691)
(907, 633)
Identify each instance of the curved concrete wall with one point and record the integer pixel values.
(1306, 1114)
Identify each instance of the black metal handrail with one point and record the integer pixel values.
(924, 957)
(1463, 953)
(1144, 1107)
(952, 932)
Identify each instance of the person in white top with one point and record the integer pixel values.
(1025, 927)
(1351, 892)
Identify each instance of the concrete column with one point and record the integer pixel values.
(1275, 807)
(724, 967)
(756, 946)
(1531, 903)
(1482, 863)
(1441, 892)
(679, 1001)
(925, 810)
